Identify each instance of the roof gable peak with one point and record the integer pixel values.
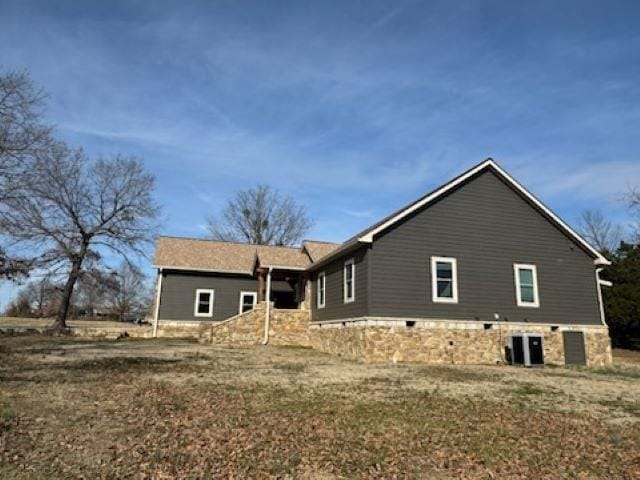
(368, 235)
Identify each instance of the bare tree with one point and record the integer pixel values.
(67, 208)
(38, 298)
(599, 232)
(92, 291)
(20, 306)
(262, 216)
(22, 130)
(633, 197)
(23, 137)
(44, 296)
(129, 292)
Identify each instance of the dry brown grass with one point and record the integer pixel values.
(175, 409)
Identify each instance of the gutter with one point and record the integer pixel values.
(284, 267)
(268, 308)
(601, 261)
(208, 270)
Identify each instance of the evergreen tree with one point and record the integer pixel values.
(622, 300)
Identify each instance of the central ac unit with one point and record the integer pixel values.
(526, 349)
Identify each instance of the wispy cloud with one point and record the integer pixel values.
(354, 111)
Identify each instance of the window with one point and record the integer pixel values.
(444, 280)
(248, 300)
(204, 303)
(320, 285)
(349, 281)
(526, 279)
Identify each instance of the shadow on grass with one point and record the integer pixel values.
(79, 371)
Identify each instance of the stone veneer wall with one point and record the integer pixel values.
(440, 342)
(286, 327)
(383, 340)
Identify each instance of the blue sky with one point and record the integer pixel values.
(353, 108)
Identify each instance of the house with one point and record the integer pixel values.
(476, 271)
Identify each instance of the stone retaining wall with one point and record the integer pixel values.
(446, 342)
(289, 327)
(286, 327)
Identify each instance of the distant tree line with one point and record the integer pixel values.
(621, 245)
(60, 210)
(122, 294)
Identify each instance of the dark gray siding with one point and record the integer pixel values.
(334, 304)
(487, 227)
(178, 294)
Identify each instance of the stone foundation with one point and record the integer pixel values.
(390, 340)
(446, 342)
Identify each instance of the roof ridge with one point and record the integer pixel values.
(275, 246)
(228, 242)
(321, 241)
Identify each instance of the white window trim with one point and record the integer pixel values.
(516, 276)
(352, 298)
(434, 280)
(243, 293)
(324, 287)
(195, 306)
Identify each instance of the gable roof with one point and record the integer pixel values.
(367, 235)
(204, 255)
(275, 256)
(181, 253)
(316, 250)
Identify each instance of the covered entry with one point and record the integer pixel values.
(574, 351)
(287, 286)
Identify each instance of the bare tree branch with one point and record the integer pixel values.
(633, 198)
(599, 232)
(262, 216)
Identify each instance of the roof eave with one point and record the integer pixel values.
(204, 270)
(344, 248)
(283, 267)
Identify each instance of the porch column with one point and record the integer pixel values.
(303, 278)
(261, 285)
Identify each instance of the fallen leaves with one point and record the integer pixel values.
(101, 419)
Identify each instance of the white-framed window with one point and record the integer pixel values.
(320, 290)
(204, 302)
(444, 280)
(526, 280)
(349, 281)
(248, 300)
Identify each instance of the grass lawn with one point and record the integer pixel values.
(74, 408)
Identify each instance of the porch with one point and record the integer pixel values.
(286, 287)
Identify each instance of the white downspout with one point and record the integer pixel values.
(600, 283)
(268, 308)
(156, 309)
